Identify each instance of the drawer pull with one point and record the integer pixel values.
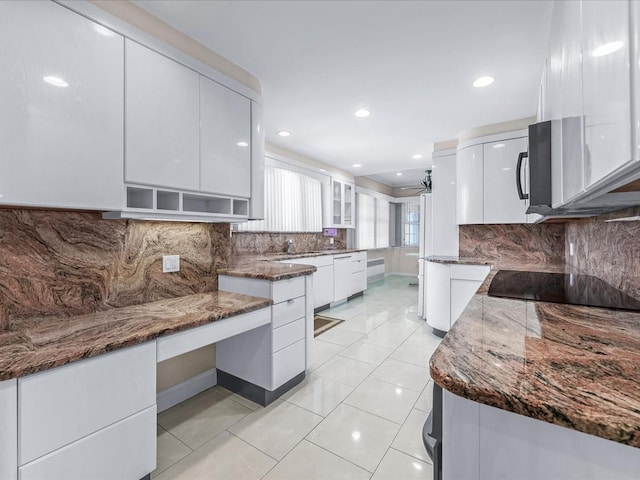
(290, 301)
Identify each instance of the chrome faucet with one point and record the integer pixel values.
(289, 245)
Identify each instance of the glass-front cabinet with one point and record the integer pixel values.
(340, 205)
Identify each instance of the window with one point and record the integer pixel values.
(366, 221)
(372, 227)
(293, 203)
(410, 224)
(382, 223)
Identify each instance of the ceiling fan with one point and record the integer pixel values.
(424, 186)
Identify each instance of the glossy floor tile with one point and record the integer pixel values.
(318, 394)
(346, 370)
(367, 352)
(310, 462)
(409, 438)
(202, 417)
(357, 415)
(169, 451)
(224, 457)
(323, 352)
(397, 465)
(383, 399)
(402, 374)
(355, 435)
(276, 429)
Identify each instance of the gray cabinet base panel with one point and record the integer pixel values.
(253, 392)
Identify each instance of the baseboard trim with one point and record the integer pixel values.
(254, 392)
(401, 274)
(187, 389)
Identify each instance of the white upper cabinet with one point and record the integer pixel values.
(502, 203)
(61, 122)
(162, 120)
(635, 54)
(256, 210)
(606, 87)
(225, 140)
(564, 100)
(339, 204)
(469, 185)
(445, 242)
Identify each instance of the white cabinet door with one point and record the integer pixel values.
(342, 270)
(323, 286)
(469, 185)
(61, 127)
(9, 429)
(162, 120)
(564, 95)
(445, 229)
(349, 204)
(607, 91)
(635, 51)
(438, 296)
(501, 201)
(64, 404)
(337, 192)
(225, 140)
(256, 212)
(124, 450)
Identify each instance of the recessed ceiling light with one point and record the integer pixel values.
(607, 49)
(55, 81)
(499, 145)
(283, 133)
(399, 174)
(483, 82)
(356, 165)
(417, 156)
(363, 112)
(242, 144)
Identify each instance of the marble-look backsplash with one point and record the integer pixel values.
(608, 250)
(250, 243)
(56, 263)
(543, 243)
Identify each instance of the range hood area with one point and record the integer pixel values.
(551, 146)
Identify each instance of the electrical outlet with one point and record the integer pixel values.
(170, 263)
(331, 241)
(571, 249)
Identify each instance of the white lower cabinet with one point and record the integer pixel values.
(271, 355)
(62, 405)
(322, 278)
(9, 429)
(124, 450)
(449, 290)
(341, 276)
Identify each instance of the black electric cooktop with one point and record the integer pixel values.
(575, 289)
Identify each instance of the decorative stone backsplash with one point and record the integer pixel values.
(543, 243)
(56, 263)
(608, 250)
(251, 243)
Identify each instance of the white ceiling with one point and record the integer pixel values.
(410, 62)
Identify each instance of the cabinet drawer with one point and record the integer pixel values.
(288, 311)
(287, 289)
(126, 449)
(62, 405)
(287, 334)
(359, 257)
(470, 272)
(320, 261)
(287, 363)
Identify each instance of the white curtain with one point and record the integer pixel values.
(366, 222)
(293, 203)
(382, 223)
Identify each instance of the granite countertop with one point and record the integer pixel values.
(56, 342)
(573, 366)
(269, 266)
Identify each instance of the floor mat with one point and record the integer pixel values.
(322, 324)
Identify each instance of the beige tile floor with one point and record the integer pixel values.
(357, 415)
